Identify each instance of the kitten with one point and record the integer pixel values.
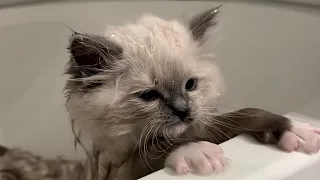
(145, 95)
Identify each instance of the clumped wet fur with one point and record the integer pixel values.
(141, 90)
(135, 79)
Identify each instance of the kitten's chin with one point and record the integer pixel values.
(177, 129)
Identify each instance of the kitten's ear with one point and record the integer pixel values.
(200, 23)
(91, 54)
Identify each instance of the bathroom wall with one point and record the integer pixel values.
(19, 2)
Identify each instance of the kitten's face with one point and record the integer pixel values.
(152, 76)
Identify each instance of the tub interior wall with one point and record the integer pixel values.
(269, 56)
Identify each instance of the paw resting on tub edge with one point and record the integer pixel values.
(302, 138)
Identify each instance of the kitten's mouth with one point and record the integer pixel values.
(177, 127)
(187, 120)
(178, 122)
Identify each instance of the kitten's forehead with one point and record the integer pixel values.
(161, 51)
(154, 40)
(168, 74)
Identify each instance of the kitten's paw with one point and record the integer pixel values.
(302, 137)
(200, 158)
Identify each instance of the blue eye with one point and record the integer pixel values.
(150, 95)
(191, 84)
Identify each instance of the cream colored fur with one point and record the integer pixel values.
(112, 119)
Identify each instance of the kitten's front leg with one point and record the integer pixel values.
(268, 127)
(182, 156)
(265, 126)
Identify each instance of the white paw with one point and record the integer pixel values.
(199, 158)
(302, 137)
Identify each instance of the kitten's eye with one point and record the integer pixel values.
(150, 95)
(191, 84)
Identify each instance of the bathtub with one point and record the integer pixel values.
(268, 53)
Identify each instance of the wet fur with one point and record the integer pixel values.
(126, 137)
(156, 54)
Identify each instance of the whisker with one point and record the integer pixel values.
(221, 132)
(209, 134)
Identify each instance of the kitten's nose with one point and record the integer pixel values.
(180, 107)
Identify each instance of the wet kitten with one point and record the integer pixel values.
(145, 95)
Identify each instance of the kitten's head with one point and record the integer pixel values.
(154, 75)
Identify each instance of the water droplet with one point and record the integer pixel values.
(113, 35)
(218, 94)
(172, 82)
(155, 81)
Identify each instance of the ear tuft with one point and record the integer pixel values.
(200, 23)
